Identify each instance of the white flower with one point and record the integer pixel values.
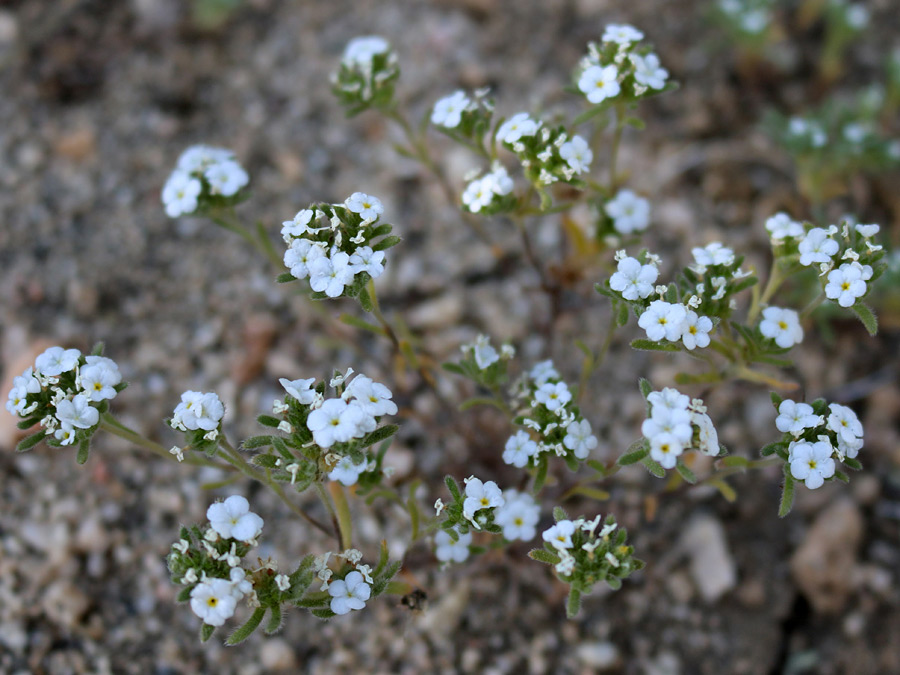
(713, 254)
(553, 395)
(364, 259)
(599, 83)
(179, 194)
(794, 417)
(543, 371)
(198, 411)
(447, 550)
(78, 412)
(233, 519)
(519, 449)
(65, 434)
(515, 127)
(846, 284)
(56, 361)
(283, 582)
(630, 213)
(781, 325)
(811, 462)
(480, 496)
(867, 230)
(844, 422)
(665, 448)
(360, 50)
(448, 110)
(298, 226)
(634, 280)
(213, 601)
(668, 399)
(485, 355)
(857, 16)
(518, 516)
(695, 330)
(300, 255)
(577, 154)
(367, 206)
(349, 593)
(29, 384)
(17, 403)
(781, 227)
(372, 397)
(560, 535)
(200, 157)
(346, 472)
(335, 422)
(240, 585)
(98, 381)
(498, 180)
(648, 72)
(817, 247)
(300, 389)
(579, 439)
(663, 320)
(662, 420)
(477, 195)
(226, 178)
(330, 275)
(708, 441)
(622, 34)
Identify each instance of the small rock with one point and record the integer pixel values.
(711, 564)
(824, 564)
(598, 655)
(77, 145)
(64, 603)
(276, 654)
(92, 536)
(440, 312)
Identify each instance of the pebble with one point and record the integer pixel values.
(276, 654)
(599, 655)
(712, 566)
(823, 566)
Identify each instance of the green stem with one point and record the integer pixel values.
(111, 425)
(813, 304)
(774, 281)
(329, 506)
(228, 220)
(342, 509)
(614, 150)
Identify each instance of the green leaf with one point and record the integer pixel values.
(245, 631)
(634, 456)
(651, 346)
(787, 494)
(479, 400)
(621, 314)
(744, 284)
(735, 460)
(454, 368)
(356, 322)
(654, 467)
(852, 463)
(256, 442)
(592, 493)
(603, 290)
(841, 476)
(206, 632)
(867, 316)
(636, 123)
(540, 477)
(268, 421)
(589, 114)
(380, 434)
(543, 556)
(573, 604)
(30, 441)
(686, 473)
(559, 513)
(597, 466)
(771, 448)
(84, 449)
(386, 243)
(453, 487)
(276, 619)
(323, 613)
(776, 399)
(98, 349)
(184, 595)
(28, 423)
(365, 301)
(268, 461)
(645, 387)
(285, 277)
(723, 487)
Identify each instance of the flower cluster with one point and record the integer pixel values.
(584, 552)
(351, 585)
(208, 561)
(620, 68)
(816, 436)
(366, 75)
(464, 118)
(484, 363)
(326, 436)
(548, 155)
(476, 507)
(199, 415)
(551, 422)
(675, 424)
(746, 20)
(204, 178)
(64, 392)
(489, 193)
(335, 247)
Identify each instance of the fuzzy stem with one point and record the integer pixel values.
(111, 425)
(342, 508)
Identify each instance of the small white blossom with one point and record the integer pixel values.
(330, 275)
(811, 463)
(844, 422)
(180, 193)
(300, 256)
(346, 472)
(516, 127)
(665, 448)
(78, 412)
(447, 550)
(226, 178)
(553, 396)
(867, 230)
(198, 410)
(282, 582)
(372, 397)
(622, 34)
(519, 449)
(663, 320)
(361, 50)
(599, 83)
(518, 516)
(448, 110)
(364, 259)
(56, 361)
(817, 247)
(695, 330)
(708, 440)
(560, 535)
(234, 519)
(713, 254)
(580, 439)
(349, 593)
(300, 389)
(633, 280)
(213, 601)
(794, 417)
(367, 206)
(781, 325)
(781, 226)
(335, 421)
(485, 355)
(846, 284)
(577, 154)
(648, 72)
(630, 213)
(480, 495)
(542, 372)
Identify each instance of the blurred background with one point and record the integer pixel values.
(99, 99)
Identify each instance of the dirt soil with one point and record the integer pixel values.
(99, 99)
